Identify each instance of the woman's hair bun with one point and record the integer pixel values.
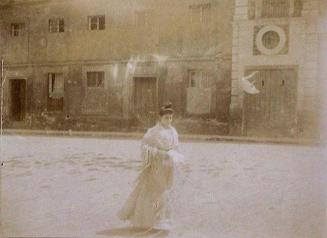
(166, 109)
(168, 105)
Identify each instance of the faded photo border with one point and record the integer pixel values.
(85, 84)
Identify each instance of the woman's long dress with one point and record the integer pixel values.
(148, 204)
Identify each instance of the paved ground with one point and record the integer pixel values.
(73, 187)
(183, 137)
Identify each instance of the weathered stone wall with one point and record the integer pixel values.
(322, 29)
(169, 31)
(303, 53)
(169, 40)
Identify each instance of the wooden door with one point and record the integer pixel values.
(272, 112)
(18, 99)
(145, 100)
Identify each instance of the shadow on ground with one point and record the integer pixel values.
(133, 232)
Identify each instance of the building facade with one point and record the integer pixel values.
(69, 62)
(283, 41)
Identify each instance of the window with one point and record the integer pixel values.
(298, 7)
(251, 9)
(143, 18)
(56, 25)
(192, 79)
(275, 8)
(95, 79)
(271, 39)
(56, 85)
(56, 91)
(198, 79)
(97, 23)
(200, 13)
(17, 29)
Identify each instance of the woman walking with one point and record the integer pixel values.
(148, 205)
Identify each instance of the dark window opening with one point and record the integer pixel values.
(97, 23)
(17, 29)
(95, 79)
(198, 79)
(271, 39)
(55, 92)
(56, 25)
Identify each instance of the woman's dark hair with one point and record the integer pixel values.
(166, 109)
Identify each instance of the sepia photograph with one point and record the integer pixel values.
(163, 118)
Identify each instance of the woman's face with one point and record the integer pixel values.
(166, 120)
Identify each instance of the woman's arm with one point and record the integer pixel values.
(149, 150)
(176, 140)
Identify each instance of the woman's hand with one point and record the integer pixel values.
(163, 154)
(168, 160)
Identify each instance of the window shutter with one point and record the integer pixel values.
(102, 22)
(50, 83)
(61, 25)
(251, 9)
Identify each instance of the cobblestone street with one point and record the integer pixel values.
(59, 186)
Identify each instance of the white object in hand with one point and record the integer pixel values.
(176, 156)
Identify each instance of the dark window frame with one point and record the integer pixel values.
(17, 29)
(95, 79)
(97, 23)
(200, 13)
(203, 83)
(55, 104)
(56, 25)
